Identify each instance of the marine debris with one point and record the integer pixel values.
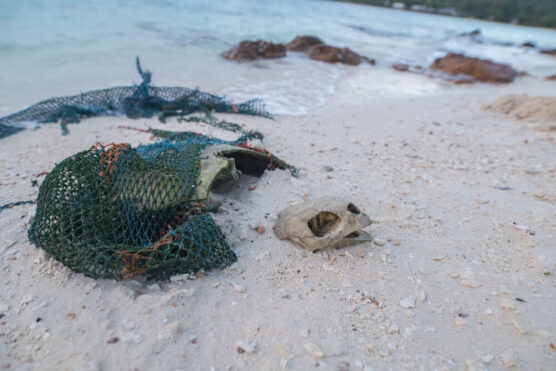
(115, 211)
(139, 101)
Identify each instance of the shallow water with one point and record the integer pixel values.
(61, 47)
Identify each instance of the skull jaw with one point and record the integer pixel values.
(359, 237)
(312, 244)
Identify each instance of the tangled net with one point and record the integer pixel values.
(114, 211)
(135, 102)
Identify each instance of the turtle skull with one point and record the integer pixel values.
(323, 223)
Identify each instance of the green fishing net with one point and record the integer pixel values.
(115, 211)
(138, 101)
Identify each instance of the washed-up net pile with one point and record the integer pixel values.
(135, 102)
(115, 211)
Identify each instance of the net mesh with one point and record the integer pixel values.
(114, 211)
(135, 102)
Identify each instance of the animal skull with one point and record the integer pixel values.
(323, 223)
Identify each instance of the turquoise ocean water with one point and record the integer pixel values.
(62, 47)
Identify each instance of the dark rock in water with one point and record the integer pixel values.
(332, 54)
(316, 49)
(551, 77)
(479, 69)
(303, 43)
(326, 53)
(474, 35)
(551, 52)
(401, 67)
(528, 44)
(251, 50)
(311, 45)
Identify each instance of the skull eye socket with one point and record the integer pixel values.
(322, 223)
(353, 209)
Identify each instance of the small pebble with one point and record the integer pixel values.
(128, 324)
(379, 241)
(486, 358)
(239, 288)
(520, 326)
(520, 227)
(507, 305)
(460, 322)
(26, 299)
(369, 349)
(165, 334)
(508, 358)
(467, 275)
(242, 234)
(422, 296)
(246, 347)
(338, 347)
(260, 229)
(252, 187)
(132, 337)
(187, 293)
(408, 302)
(314, 349)
(471, 283)
(393, 329)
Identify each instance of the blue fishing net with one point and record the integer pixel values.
(138, 101)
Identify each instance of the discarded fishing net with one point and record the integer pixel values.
(11, 205)
(135, 102)
(7, 130)
(114, 211)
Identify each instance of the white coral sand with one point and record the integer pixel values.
(464, 199)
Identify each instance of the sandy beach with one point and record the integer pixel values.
(465, 200)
